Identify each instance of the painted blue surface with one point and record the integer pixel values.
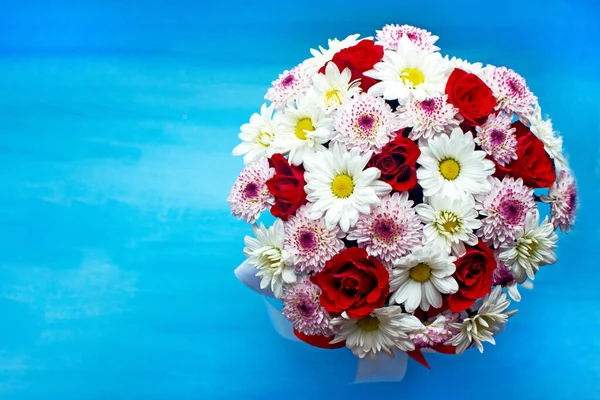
(116, 246)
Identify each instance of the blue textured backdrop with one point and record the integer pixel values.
(116, 246)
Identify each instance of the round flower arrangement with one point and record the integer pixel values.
(405, 187)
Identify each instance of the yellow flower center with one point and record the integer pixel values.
(449, 169)
(332, 97)
(368, 324)
(413, 76)
(265, 138)
(342, 186)
(420, 273)
(449, 225)
(303, 125)
(448, 221)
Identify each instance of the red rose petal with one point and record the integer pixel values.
(319, 341)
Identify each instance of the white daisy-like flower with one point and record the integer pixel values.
(505, 208)
(334, 87)
(484, 324)
(302, 307)
(249, 196)
(429, 117)
(472, 68)
(305, 128)
(509, 89)
(265, 251)
(289, 85)
(383, 331)
(450, 222)
(409, 71)
(365, 121)
(496, 137)
(391, 230)
(553, 143)
(436, 332)
(451, 165)
(420, 278)
(258, 136)
(310, 242)
(340, 187)
(562, 197)
(533, 247)
(322, 55)
(389, 37)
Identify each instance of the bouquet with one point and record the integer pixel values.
(405, 188)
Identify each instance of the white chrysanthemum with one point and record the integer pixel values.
(334, 87)
(484, 324)
(322, 55)
(305, 128)
(552, 142)
(389, 37)
(509, 89)
(258, 136)
(505, 208)
(496, 137)
(533, 247)
(409, 71)
(391, 230)
(265, 252)
(310, 242)
(289, 85)
(450, 222)
(472, 68)
(249, 196)
(429, 117)
(435, 333)
(340, 187)
(419, 279)
(365, 121)
(384, 330)
(450, 165)
(562, 197)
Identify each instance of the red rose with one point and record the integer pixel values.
(287, 186)
(359, 58)
(354, 282)
(473, 98)
(473, 273)
(397, 163)
(533, 164)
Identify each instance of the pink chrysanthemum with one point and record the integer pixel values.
(365, 121)
(310, 242)
(435, 333)
(510, 90)
(562, 197)
(302, 307)
(249, 195)
(429, 117)
(504, 277)
(505, 208)
(496, 138)
(391, 230)
(289, 85)
(390, 35)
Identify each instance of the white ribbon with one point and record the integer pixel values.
(380, 369)
(246, 273)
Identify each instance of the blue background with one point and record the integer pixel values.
(117, 250)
